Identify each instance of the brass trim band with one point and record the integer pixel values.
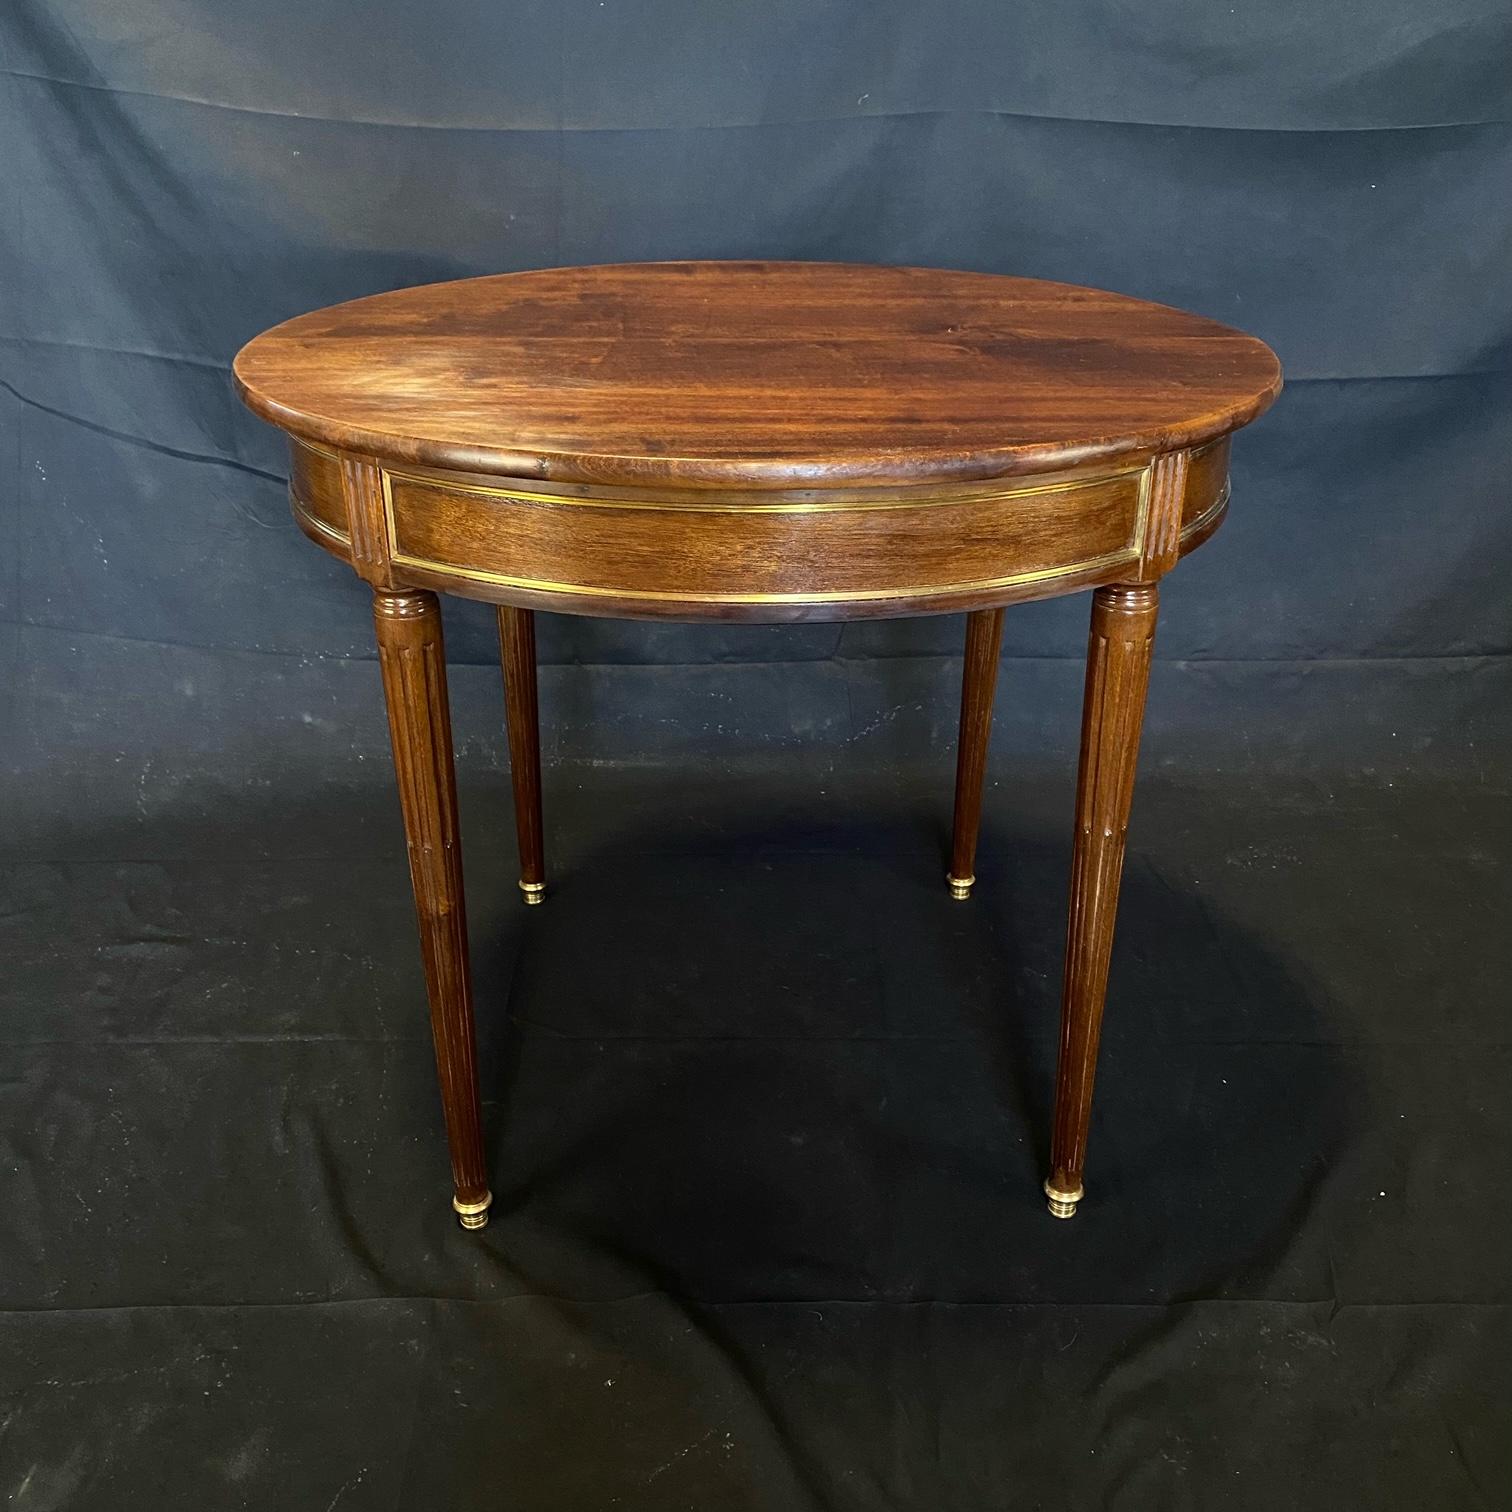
(312, 521)
(1208, 515)
(754, 504)
(473, 1215)
(1128, 554)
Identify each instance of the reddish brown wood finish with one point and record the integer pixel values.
(792, 554)
(1118, 674)
(817, 557)
(984, 640)
(522, 713)
(413, 658)
(1206, 491)
(757, 441)
(756, 375)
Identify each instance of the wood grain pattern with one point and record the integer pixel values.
(448, 514)
(1206, 480)
(1118, 674)
(984, 641)
(315, 491)
(771, 555)
(517, 652)
(412, 656)
(756, 375)
(636, 554)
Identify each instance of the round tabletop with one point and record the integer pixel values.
(755, 375)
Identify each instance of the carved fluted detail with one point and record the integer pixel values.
(367, 519)
(412, 656)
(1168, 486)
(1118, 672)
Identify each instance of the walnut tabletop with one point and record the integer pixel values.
(759, 441)
(756, 375)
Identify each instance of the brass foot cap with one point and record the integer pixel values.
(960, 887)
(535, 892)
(1063, 1204)
(473, 1215)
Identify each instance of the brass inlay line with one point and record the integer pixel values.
(1124, 554)
(1214, 509)
(313, 520)
(1129, 553)
(822, 506)
(1142, 511)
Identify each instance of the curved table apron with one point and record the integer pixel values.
(761, 555)
(766, 531)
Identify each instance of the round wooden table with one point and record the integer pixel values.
(757, 441)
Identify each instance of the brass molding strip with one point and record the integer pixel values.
(1124, 555)
(316, 524)
(1209, 514)
(755, 506)
(318, 449)
(1129, 554)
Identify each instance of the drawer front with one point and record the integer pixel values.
(728, 551)
(760, 556)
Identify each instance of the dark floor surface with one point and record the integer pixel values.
(767, 1114)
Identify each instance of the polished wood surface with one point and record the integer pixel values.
(766, 442)
(984, 642)
(412, 654)
(517, 652)
(776, 555)
(756, 375)
(1118, 675)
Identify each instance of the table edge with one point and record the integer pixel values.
(869, 470)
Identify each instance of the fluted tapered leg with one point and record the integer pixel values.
(984, 640)
(522, 715)
(1118, 674)
(413, 658)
